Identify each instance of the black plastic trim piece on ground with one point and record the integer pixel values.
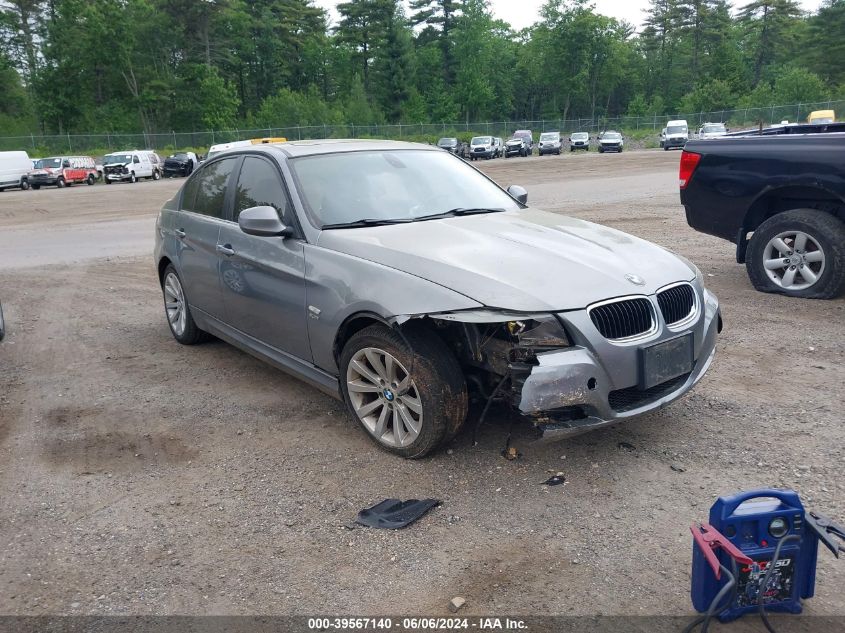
(392, 514)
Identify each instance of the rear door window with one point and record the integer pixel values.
(209, 189)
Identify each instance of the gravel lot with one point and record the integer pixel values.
(139, 476)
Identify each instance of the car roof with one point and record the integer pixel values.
(295, 149)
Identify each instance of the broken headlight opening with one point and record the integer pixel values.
(498, 349)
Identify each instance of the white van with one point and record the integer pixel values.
(675, 134)
(130, 166)
(14, 168)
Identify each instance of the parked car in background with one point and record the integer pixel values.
(222, 147)
(14, 170)
(157, 163)
(822, 116)
(611, 141)
(579, 140)
(499, 144)
(520, 144)
(481, 147)
(421, 295)
(780, 199)
(449, 144)
(180, 164)
(63, 171)
(675, 134)
(131, 165)
(549, 143)
(712, 130)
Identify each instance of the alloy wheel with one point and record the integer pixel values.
(793, 260)
(384, 397)
(174, 304)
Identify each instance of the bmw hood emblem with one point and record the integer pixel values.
(635, 279)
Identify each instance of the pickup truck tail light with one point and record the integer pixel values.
(689, 161)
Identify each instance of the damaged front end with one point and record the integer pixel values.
(560, 373)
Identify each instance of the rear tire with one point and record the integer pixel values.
(90, 180)
(822, 255)
(435, 388)
(177, 311)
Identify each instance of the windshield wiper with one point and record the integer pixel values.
(460, 211)
(364, 222)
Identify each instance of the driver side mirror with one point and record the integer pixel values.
(65, 163)
(263, 222)
(518, 193)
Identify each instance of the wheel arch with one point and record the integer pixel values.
(163, 263)
(353, 324)
(788, 198)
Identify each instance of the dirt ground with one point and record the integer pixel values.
(138, 476)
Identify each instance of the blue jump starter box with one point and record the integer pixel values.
(754, 522)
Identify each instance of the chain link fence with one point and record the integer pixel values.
(37, 144)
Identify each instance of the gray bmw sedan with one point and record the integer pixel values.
(402, 280)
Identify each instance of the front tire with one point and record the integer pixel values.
(60, 183)
(133, 178)
(408, 414)
(156, 175)
(799, 253)
(178, 312)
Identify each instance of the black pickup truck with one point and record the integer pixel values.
(780, 199)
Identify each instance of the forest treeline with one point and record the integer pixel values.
(72, 66)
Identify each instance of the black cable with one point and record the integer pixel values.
(715, 607)
(765, 582)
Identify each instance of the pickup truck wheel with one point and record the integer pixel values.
(800, 253)
(60, 182)
(90, 180)
(408, 402)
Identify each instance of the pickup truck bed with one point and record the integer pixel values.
(773, 196)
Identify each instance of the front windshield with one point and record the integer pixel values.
(447, 142)
(112, 159)
(481, 140)
(714, 128)
(522, 135)
(45, 163)
(611, 136)
(676, 129)
(579, 136)
(549, 136)
(400, 185)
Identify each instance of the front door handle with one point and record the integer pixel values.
(180, 233)
(226, 249)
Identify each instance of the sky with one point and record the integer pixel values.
(522, 13)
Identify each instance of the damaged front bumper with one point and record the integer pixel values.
(596, 382)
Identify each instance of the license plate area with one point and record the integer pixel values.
(666, 360)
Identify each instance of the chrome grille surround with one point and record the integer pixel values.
(624, 319)
(678, 304)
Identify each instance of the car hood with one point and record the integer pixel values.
(527, 260)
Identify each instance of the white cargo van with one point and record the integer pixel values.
(14, 167)
(130, 166)
(675, 134)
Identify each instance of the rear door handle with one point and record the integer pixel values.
(226, 249)
(180, 233)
